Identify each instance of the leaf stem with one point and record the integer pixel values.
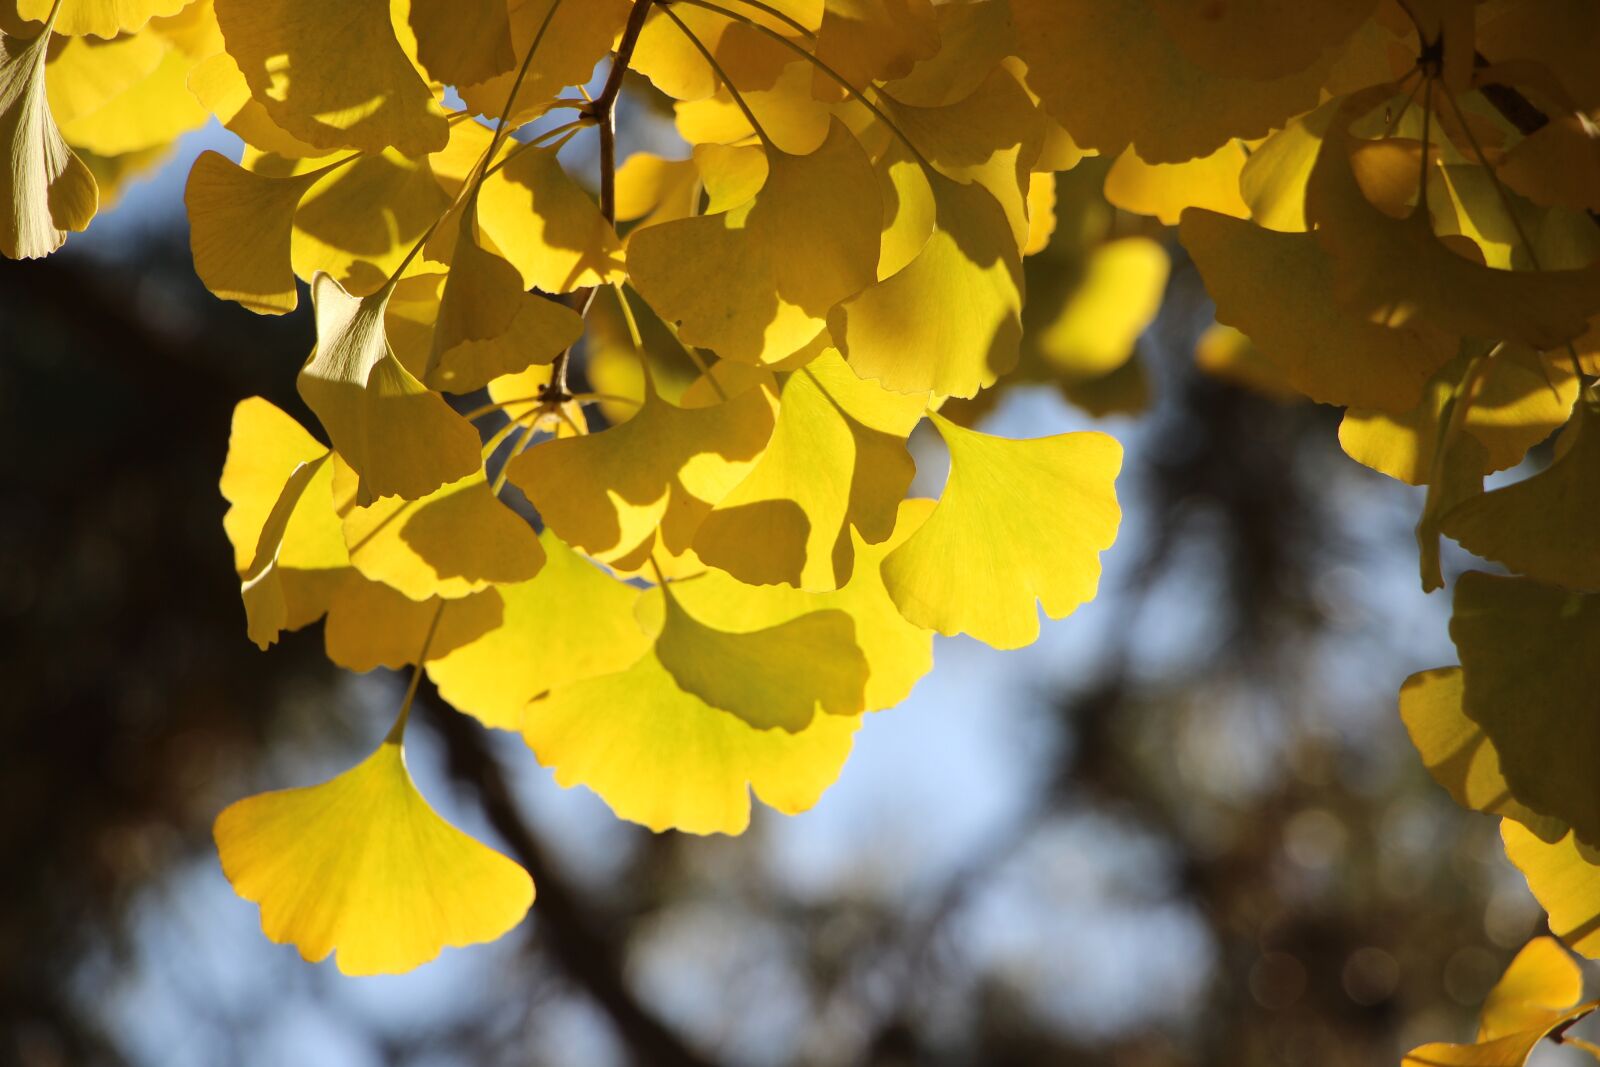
(397, 732)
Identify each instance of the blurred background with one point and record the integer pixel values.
(1186, 828)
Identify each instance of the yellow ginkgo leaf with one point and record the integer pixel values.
(570, 623)
(574, 37)
(1389, 269)
(1273, 180)
(222, 90)
(1165, 189)
(869, 41)
(1547, 526)
(1538, 993)
(154, 110)
(773, 82)
(457, 540)
(973, 40)
(1169, 107)
(298, 58)
(837, 458)
(1018, 522)
(547, 226)
(287, 546)
(971, 269)
(775, 677)
(1274, 287)
(1564, 877)
(462, 42)
(83, 74)
(1515, 409)
(99, 18)
(1458, 753)
(661, 757)
(909, 210)
(1117, 296)
(991, 137)
(402, 439)
(665, 467)
(756, 283)
(362, 866)
(656, 190)
(897, 652)
(241, 225)
(371, 625)
(1041, 212)
(45, 189)
(1532, 684)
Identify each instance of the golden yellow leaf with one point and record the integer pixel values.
(971, 269)
(1165, 189)
(973, 40)
(756, 283)
(152, 110)
(1117, 296)
(303, 64)
(547, 226)
(897, 652)
(401, 438)
(371, 625)
(837, 459)
(221, 89)
(569, 623)
(661, 757)
(869, 41)
(1547, 526)
(1457, 752)
(45, 190)
(656, 190)
(1539, 992)
(1114, 74)
(666, 467)
(1564, 877)
(1262, 39)
(1019, 522)
(1557, 165)
(362, 866)
(1275, 288)
(1532, 685)
(1273, 181)
(578, 34)
(1390, 269)
(774, 677)
(462, 42)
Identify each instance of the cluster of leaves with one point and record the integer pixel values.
(1390, 202)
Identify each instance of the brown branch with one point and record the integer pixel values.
(578, 944)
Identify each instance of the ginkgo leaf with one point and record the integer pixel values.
(487, 325)
(547, 226)
(775, 677)
(240, 228)
(98, 18)
(971, 269)
(756, 283)
(773, 82)
(1387, 268)
(1523, 397)
(1165, 189)
(362, 866)
(909, 210)
(837, 458)
(661, 757)
(656, 190)
(457, 540)
(665, 467)
(371, 625)
(1538, 993)
(1116, 298)
(1458, 753)
(869, 41)
(402, 439)
(45, 189)
(1547, 526)
(1274, 287)
(154, 110)
(575, 36)
(1129, 81)
(1564, 877)
(1018, 522)
(570, 623)
(1531, 684)
(299, 60)
(898, 653)
(222, 90)
(1273, 180)
(462, 43)
(973, 40)
(287, 546)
